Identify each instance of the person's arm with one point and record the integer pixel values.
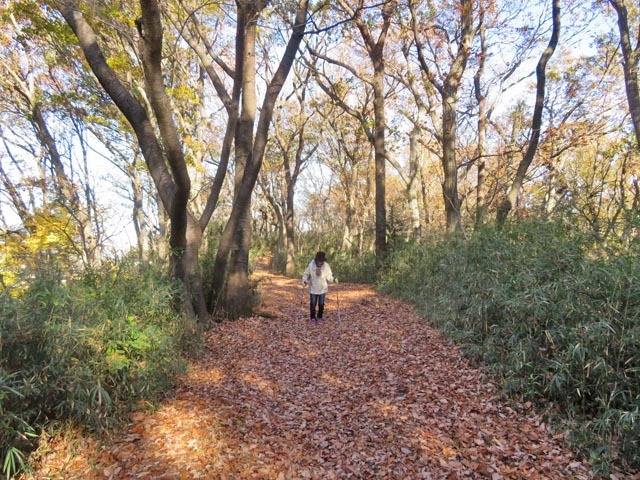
(330, 274)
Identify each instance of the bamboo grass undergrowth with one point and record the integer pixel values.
(85, 350)
(554, 315)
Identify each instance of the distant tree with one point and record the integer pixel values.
(347, 152)
(373, 29)
(442, 50)
(45, 132)
(292, 145)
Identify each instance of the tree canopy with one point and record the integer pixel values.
(192, 125)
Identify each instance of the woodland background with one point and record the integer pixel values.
(477, 158)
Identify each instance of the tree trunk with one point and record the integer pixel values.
(280, 255)
(347, 235)
(449, 163)
(380, 157)
(630, 56)
(151, 54)
(425, 199)
(193, 279)
(236, 301)
(289, 226)
(449, 90)
(173, 187)
(415, 154)
(292, 180)
(375, 49)
(139, 222)
(512, 195)
(161, 239)
(483, 120)
(242, 202)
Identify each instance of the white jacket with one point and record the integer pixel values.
(318, 284)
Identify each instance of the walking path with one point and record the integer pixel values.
(376, 395)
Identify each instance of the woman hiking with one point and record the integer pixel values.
(317, 275)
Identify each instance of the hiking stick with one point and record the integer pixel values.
(338, 301)
(302, 300)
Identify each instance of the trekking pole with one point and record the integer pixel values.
(338, 302)
(302, 298)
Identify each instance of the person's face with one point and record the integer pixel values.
(319, 263)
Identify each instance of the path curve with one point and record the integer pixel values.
(377, 394)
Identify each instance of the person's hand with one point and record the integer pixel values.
(304, 284)
(335, 280)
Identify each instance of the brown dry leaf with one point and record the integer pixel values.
(378, 394)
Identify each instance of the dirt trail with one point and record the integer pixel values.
(376, 395)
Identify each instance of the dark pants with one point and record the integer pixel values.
(316, 300)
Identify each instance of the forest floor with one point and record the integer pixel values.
(372, 392)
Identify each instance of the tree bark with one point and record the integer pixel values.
(238, 286)
(380, 159)
(483, 120)
(449, 90)
(630, 57)
(415, 155)
(151, 53)
(375, 50)
(236, 300)
(139, 221)
(172, 187)
(507, 204)
(290, 235)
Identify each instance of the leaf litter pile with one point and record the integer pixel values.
(376, 394)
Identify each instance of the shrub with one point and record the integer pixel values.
(347, 265)
(552, 314)
(86, 350)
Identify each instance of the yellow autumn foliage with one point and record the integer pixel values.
(45, 239)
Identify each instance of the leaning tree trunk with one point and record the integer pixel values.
(631, 56)
(512, 195)
(173, 187)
